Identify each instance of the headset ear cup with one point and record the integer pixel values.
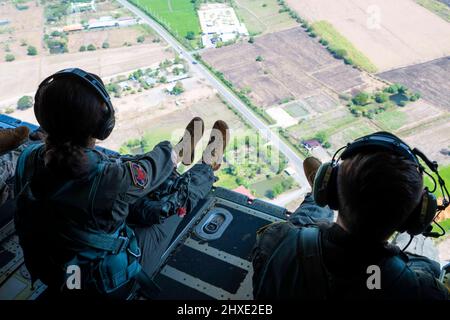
(324, 188)
(107, 127)
(423, 214)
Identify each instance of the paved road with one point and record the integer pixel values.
(264, 129)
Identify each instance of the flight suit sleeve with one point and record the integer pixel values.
(139, 175)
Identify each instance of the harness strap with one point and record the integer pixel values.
(310, 251)
(106, 242)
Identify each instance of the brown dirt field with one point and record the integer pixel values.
(115, 37)
(407, 32)
(294, 65)
(25, 25)
(420, 113)
(22, 77)
(431, 139)
(431, 79)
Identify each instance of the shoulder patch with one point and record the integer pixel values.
(139, 175)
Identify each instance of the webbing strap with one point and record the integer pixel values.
(310, 251)
(107, 242)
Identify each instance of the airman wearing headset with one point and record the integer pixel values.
(376, 186)
(75, 203)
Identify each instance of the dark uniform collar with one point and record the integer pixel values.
(344, 253)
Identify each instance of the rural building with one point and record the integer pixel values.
(177, 78)
(149, 80)
(124, 85)
(4, 22)
(126, 21)
(82, 6)
(243, 190)
(290, 171)
(311, 144)
(219, 23)
(73, 27)
(102, 22)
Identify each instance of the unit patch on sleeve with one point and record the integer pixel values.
(139, 175)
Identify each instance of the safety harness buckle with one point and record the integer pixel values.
(123, 244)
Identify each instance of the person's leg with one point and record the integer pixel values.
(309, 212)
(186, 192)
(155, 239)
(10, 139)
(8, 163)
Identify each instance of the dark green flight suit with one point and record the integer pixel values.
(282, 265)
(106, 198)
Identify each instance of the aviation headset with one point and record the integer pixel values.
(107, 125)
(325, 190)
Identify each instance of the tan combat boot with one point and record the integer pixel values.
(220, 136)
(185, 148)
(310, 166)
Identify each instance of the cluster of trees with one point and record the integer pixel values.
(367, 105)
(56, 42)
(267, 166)
(114, 88)
(177, 89)
(337, 53)
(140, 75)
(398, 89)
(25, 102)
(54, 11)
(91, 47)
(322, 137)
(9, 57)
(31, 51)
(140, 39)
(292, 13)
(190, 35)
(280, 188)
(135, 146)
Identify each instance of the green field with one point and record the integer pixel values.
(355, 130)
(439, 8)
(391, 120)
(178, 16)
(262, 16)
(445, 174)
(262, 187)
(296, 110)
(337, 41)
(226, 181)
(329, 123)
(444, 224)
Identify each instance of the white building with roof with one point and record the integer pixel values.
(219, 23)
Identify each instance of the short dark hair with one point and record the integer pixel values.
(377, 192)
(70, 112)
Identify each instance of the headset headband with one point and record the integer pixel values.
(382, 141)
(107, 125)
(86, 78)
